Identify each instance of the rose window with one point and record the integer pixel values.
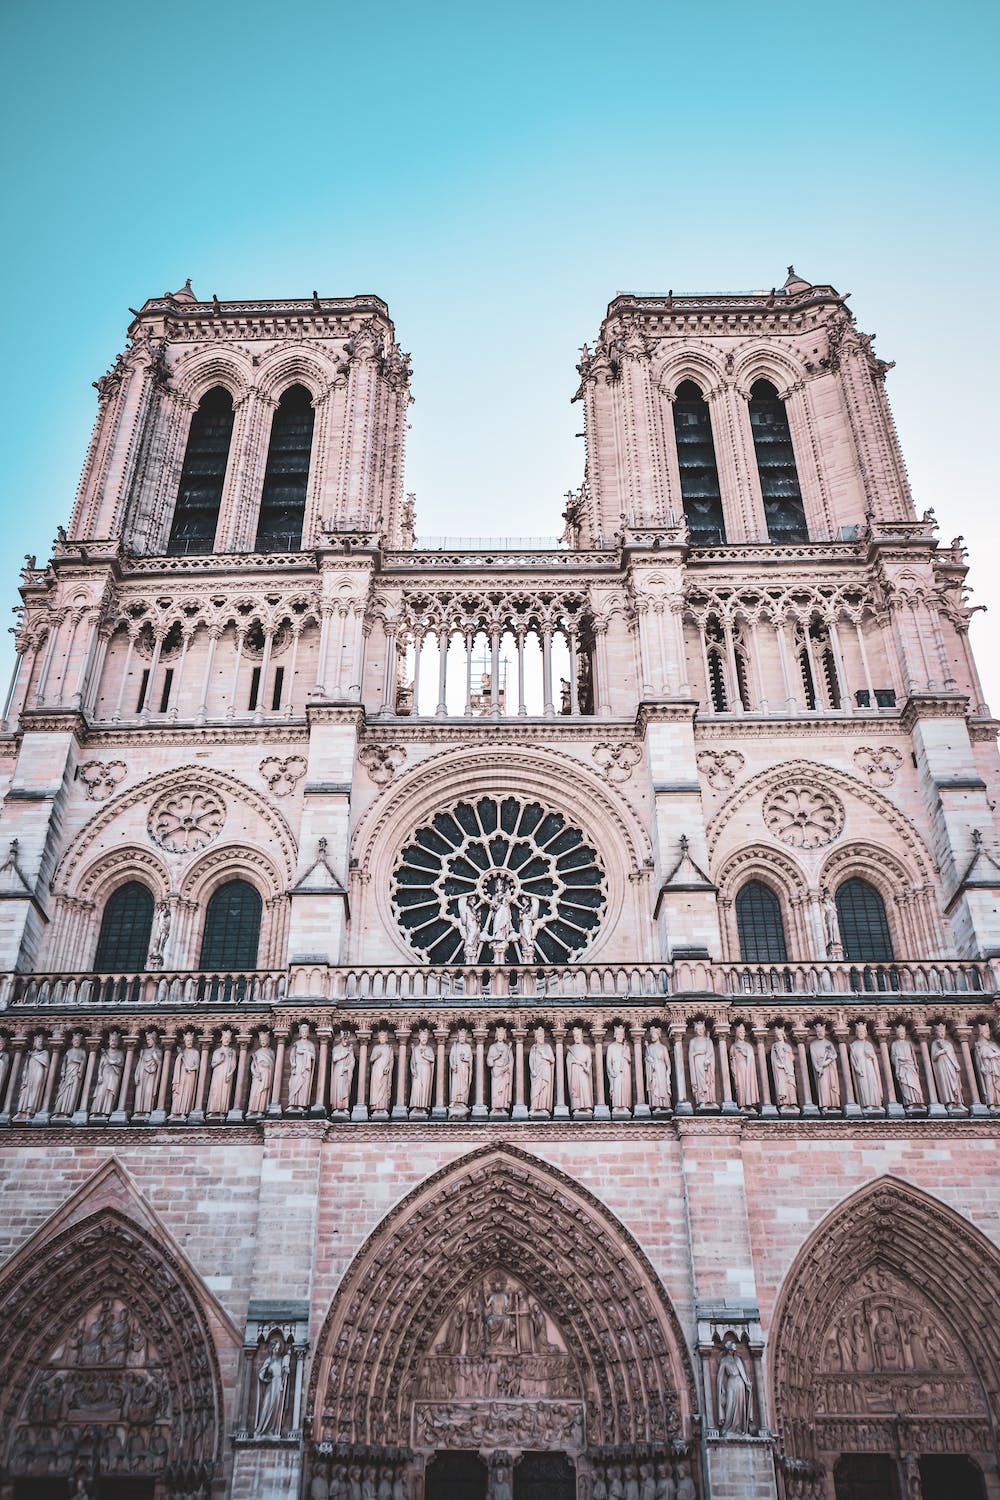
(185, 821)
(498, 881)
(803, 817)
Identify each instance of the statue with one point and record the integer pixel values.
(342, 1065)
(501, 928)
(380, 1079)
(223, 1065)
(988, 1058)
(824, 1061)
(421, 1071)
(580, 1073)
(904, 1062)
(109, 1075)
(160, 934)
(685, 1484)
(616, 1489)
(33, 1076)
(147, 1074)
(666, 1489)
(470, 928)
(527, 930)
(460, 1060)
(733, 1391)
(946, 1070)
(71, 1077)
(831, 924)
(618, 1058)
(4, 1065)
(647, 1482)
(302, 1065)
(701, 1065)
(864, 1066)
(500, 1061)
(272, 1377)
(500, 1489)
(657, 1060)
(261, 1074)
(185, 1080)
(744, 1068)
(783, 1069)
(541, 1068)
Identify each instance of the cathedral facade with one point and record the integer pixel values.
(500, 1019)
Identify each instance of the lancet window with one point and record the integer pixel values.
(232, 928)
(784, 511)
(698, 469)
(817, 666)
(727, 666)
(759, 925)
(126, 927)
(286, 478)
(864, 929)
(203, 475)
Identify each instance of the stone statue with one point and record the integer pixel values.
(580, 1073)
(824, 1061)
(701, 1065)
(500, 1061)
(527, 930)
(864, 1066)
(185, 1079)
(147, 1074)
(744, 1069)
(261, 1074)
(71, 1076)
(460, 1060)
(783, 1069)
(223, 1063)
(501, 928)
(33, 1075)
(647, 1482)
(831, 923)
(4, 1065)
(685, 1484)
(342, 1065)
(616, 1488)
(903, 1056)
(946, 1070)
(109, 1075)
(657, 1060)
(541, 1068)
(733, 1391)
(380, 1079)
(161, 933)
(272, 1377)
(500, 1488)
(421, 1071)
(470, 928)
(665, 1487)
(618, 1059)
(988, 1058)
(302, 1066)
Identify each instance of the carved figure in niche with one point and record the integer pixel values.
(185, 1080)
(147, 1074)
(619, 1064)
(946, 1070)
(783, 1069)
(109, 1075)
(33, 1076)
(647, 1482)
(161, 932)
(261, 1074)
(342, 1065)
(421, 1071)
(733, 1392)
(399, 1485)
(744, 1066)
(657, 1061)
(501, 927)
(302, 1065)
(500, 1487)
(903, 1056)
(4, 1065)
(831, 923)
(541, 1068)
(631, 1483)
(368, 1485)
(499, 1317)
(500, 1061)
(527, 930)
(272, 1377)
(71, 1076)
(580, 1073)
(864, 1066)
(685, 1484)
(616, 1487)
(824, 1061)
(223, 1072)
(701, 1064)
(380, 1079)
(988, 1058)
(666, 1489)
(460, 1060)
(470, 928)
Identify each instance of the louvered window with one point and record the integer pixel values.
(123, 944)
(779, 480)
(699, 472)
(286, 478)
(864, 931)
(232, 928)
(203, 476)
(759, 925)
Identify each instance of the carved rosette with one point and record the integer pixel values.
(879, 764)
(282, 775)
(720, 768)
(100, 777)
(804, 817)
(183, 822)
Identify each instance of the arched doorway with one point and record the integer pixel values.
(886, 1342)
(456, 1476)
(544, 1476)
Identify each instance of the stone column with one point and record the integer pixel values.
(440, 1110)
(479, 1110)
(235, 1114)
(399, 1110)
(520, 1110)
(561, 1111)
(120, 1116)
(280, 1042)
(767, 1105)
(360, 1110)
(683, 1105)
(601, 1110)
(641, 1105)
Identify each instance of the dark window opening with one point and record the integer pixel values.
(232, 928)
(866, 1476)
(123, 944)
(286, 477)
(698, 469)
(254, 687)
(864, 930)
(279, 682)
(203, 476)
(714, 640)
(784, 511)
(143, 687)
(743, 675)
(759, 926)
(168, 680)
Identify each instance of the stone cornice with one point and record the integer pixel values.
(496, 732)
(93, 736)
(751, 726)
(933, 706)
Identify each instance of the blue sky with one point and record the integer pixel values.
(497, 174)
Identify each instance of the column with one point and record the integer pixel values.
(159, 1114)
(520, 1110)
(678, 1031)
(758, 666)
(360, 1110)
(640, 1107)
(43, 676)
(799, 1035)
(440, 1110)
(57, 1049)
(231, 710)
(846, 700)
(92, 1044)
(197, 1115)
(280, 1042)
(865, 665)
(892, 1104)
(213, 637)
(67, 655)
(521, 705)
(399, 1111)
(179, 684)
(767, 1106)
(976, 1105)
(120, 1116)
(574, 688)
(322, 1070)
(479, 1110)
(442, 704)
(265, 664)
(289, 685)
(729, 1105)
(934, 1105)
(548, 707)
(235, 1114)
(18, 1046)
(495, 709)
(735, 700)
(418, 651)
(709, 701)
(561, 1111)
(819, 685)
(389, 683)
(154, 667)
(601, 1110)
(851, 1106)
(469, 641)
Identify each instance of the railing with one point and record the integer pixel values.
(178, 990)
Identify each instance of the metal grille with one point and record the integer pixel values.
(286, 478)
(779, 480)
(123, 944)
(232, 928)
(759, 925)
(696, 460)
(203, 475)
(864, 931)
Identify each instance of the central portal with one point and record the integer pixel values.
(456, 1476)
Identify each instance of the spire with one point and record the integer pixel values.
(184, 294)
(794, 283)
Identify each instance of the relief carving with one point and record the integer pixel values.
(182, 822)
(881, 765)
(720, 768)
(100, 777)
(381, 762)
(617, 762)
(281, 776)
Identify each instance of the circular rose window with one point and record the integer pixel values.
(498, 881)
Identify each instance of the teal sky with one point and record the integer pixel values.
(497, 174)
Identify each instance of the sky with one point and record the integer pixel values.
(497, 174)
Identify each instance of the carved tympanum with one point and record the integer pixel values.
(182, 822)
(804, 817)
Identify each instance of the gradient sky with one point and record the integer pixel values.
(497, 174)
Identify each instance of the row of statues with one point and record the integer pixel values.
(356, 1481)
(473, 1073)
(642, 1481)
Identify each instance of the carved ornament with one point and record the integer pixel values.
(100, 777)
(879, 765)
(803, 817)
(381, 762)
(282, 775)
(720, 768)
(618, 761)
(182, 822)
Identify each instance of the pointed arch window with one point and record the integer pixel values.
(784, 511)
(715, 666)
(126, 927)
(698, 469)
(232, 928)
(759, 925)
(196, 515)
(286, 478)
(864, 929)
